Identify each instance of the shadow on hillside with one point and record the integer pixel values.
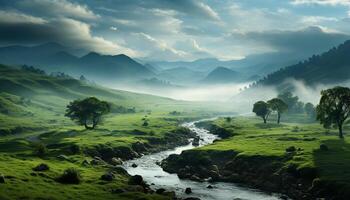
(334, 163)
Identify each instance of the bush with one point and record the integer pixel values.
(70, 176)
(40, 149)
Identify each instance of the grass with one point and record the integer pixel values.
(252, 138)
(32, 108)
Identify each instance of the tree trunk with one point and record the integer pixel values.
(264, 120)
(340, 127)
(278, 118)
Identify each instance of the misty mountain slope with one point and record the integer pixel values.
(53, 90)
(332, 66)
(53, 57)
(222, 75)
(181, 75)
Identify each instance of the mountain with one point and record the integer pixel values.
(181, 75)
(222, 75)
(53, 57)
(332, 66)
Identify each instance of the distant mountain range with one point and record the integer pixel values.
(53, 57)
(222, 75)
(332, 66)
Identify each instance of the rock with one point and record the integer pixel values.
(136, 180)
(119, 170)
(195, 178)
(284, 197)
(2, 178)
(116, 161)
(108, 176)
(97, 161)
(139, 147)
(188, 190)
(41, 167)
(210, 187)
(195, 141)
(118, 191)
(160, 191)
(291, 149)
(134, 165)
(324, 147)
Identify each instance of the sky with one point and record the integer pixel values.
(173, 30)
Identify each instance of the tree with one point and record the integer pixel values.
(262, 110)
(294, 105)
(310, 110)
(87, 112)
(334, 107)
(278, 106)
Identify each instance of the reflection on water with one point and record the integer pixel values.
(152, 173)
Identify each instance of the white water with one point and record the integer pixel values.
(154, 174)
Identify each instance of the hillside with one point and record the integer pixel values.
(332, 66)
(222, 75)
(53, 57)
(37, 96)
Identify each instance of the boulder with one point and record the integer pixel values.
(136, 180)
(108, 176)
(116, 161)
(210, 187)
(134, 165)
(97, 161)
(188, 190)
(41, 167)
(195, 141)
(160, 191)
(139, 147)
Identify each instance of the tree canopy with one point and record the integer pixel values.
(262, 110)
(334, 107)
(278, 106)
(87, 112)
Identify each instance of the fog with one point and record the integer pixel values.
(231, 94)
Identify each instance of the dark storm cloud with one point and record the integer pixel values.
(309, 40)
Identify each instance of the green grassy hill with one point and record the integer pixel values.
(32, 107)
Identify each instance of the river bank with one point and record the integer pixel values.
(148, 167)
(275, 158)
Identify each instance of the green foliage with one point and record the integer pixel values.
(310, 110)
(334, 107)
(87, 111)
(262, 110)
(40, 149)
(278, 106)
(70, 176)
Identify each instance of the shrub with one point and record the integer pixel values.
(40, 149)
(70, 176)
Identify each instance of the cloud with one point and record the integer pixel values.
(155, 48)
(309, 40)
(66, 31)
(62, 8)
(321, 2)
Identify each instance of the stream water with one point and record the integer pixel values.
(154, 174)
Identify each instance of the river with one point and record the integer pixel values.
(154, 174)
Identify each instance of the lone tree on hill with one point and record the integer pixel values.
(262, 110)
(334, 107)
(278, 106)
(87, 112)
